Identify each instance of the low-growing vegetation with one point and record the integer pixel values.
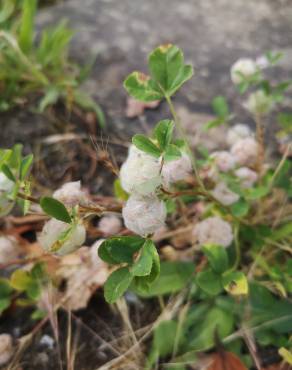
(36, 71)
(204, 237)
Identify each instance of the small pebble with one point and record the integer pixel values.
(47, 341)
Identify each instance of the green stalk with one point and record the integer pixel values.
(185, 138)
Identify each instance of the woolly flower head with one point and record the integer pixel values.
(213, 230)
(224, 195)
(144, 215)
(176, 170)
(70, 194)
(6, 187)
(55, 229)
(223, 160)
(245, 151)
(259, 102)
(110, 225)
(140, 174)
(247, 176)
(238, 132)
(241, 69)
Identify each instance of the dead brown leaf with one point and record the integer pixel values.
(226, 361)
(136, 108)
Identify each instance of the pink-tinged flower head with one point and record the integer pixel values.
(213, 230)
(223, 160)
(224, 195)
(110, 225)
(176, 170)
(245, 151)
(70, 194)
(238, 132)
(247, 176)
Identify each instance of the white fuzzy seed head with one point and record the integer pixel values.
(259, 102)
(213, 230)
(224, 195)
(144, 215)
(242, 68)
(238, 132)
(53, 230)
(6, 348)
(176, 170)
(247, 176)
(140, 174)
(70, 194)
(223, 160)
(245, 151)
(110, 225)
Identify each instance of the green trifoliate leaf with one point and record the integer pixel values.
(209, 282)
(143, 266)
(172, 153)
(117, 284)
(167, 68)
(163, 133)
(172, 278)
(56, 209)
(240, 208)
(142, 87)
(217, 257)
(120, 249)
(146, 145)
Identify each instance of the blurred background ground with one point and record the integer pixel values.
(212, 33)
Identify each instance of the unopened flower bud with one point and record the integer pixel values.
(110, 225)
(238, 132)
(241, 69)
(140, 174)
(224, 195)
(144, 215)
(70, 194)
(176, 170)
(54, 231)
(259, 102)
(245, 151)
(247, 176)
(223, 160)
(213, 230)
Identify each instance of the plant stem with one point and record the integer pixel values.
(260, 140)
(237, 249)
(185, 138)
(28, 197)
